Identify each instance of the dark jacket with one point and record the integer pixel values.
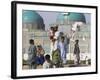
(76, 49)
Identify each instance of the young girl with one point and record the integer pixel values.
(40, 55)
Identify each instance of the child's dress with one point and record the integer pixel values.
(40, 57)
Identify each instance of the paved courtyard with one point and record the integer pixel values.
(65, 66)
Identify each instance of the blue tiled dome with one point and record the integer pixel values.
(29, 16)
(72, 17)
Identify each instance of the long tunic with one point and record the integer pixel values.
(32, 54)
(63, 50)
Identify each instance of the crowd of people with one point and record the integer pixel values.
(58, 51)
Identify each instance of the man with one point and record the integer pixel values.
(57, 33)
(55, 39)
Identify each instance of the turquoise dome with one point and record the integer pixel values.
(77, 17)
(72, 17)
(30, 16)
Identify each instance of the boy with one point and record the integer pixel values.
(48, 63)
(32, 54)
(56, 58)
(77, 52)
(63, 49)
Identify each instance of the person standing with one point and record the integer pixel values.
(63, 49)
(51, 33)
(77, 52)
(57, 33)
(54, 39)
(32, 51)
(56, 58)
(51, 37)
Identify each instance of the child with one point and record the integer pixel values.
(63, 49)
(48, 63)
(56, 58)
(32, 54)
(40, 55)
(77, 52)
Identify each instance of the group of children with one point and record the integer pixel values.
(59, 49)
(36, 56)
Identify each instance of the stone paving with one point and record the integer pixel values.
(67, 65)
